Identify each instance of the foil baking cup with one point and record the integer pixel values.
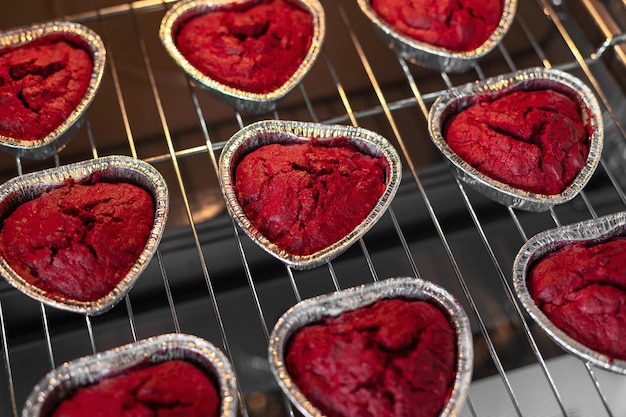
(456, 99)
(267, 132)
(331, 305)
(435, 57)
(60, 383)
(56, 140)
(602, 228)
(111, 168)
(239, 99)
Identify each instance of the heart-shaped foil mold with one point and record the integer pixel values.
(35, 128)
(432, 56)
(358, 314)
(586, 288)
(507, 127)
(63, 382)
(78, 231)
(265, 26)
(294, 213)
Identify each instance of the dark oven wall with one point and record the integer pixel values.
(209, 279)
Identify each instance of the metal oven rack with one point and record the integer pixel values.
(208, 279)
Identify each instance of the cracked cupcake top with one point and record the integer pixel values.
(392, 358)
(80, 240)
(536, 141)
(582, 289)
(41, 83)
(255, 47)
(173, 388)
(304, 197)
(458, 25)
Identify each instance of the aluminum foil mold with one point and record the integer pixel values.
(602, 228)
(263, 133)
(237, 98)
(312, 310)
(59, 137)
(457, 99)
(435, 57)
(112, 168)
(60, 383)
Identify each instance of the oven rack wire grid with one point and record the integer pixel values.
(208, 279)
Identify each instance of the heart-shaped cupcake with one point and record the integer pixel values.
(77, 237)
(571, 281)
(172, 374)
(305, 192)
(49, 75)
(247, 53)
(398, 344)
(448, 36)
(530, 140)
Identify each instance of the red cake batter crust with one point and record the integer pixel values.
(41, 83)
(395, 358)
(255, 48)
(582, 290)
(80, 240)
(457, 25)
(169, 389)
(305, 197)
(532, 140)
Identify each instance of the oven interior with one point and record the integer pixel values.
(210, 280)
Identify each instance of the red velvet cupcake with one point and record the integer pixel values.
(581, 288)
(392, 358)
(535, 140)
(249, 54)
(255, 47)
(49, 75)
(447, 35)
(530, 139)
(167, 375)
(41, 83)
(398, 347)
(457, 25)
(80, 240)
(572, 281)
(304, 191)
(301, 196)
(172, 388)
(77, 237)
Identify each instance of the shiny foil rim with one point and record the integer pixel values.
(29, 186)
(240, 99)
(61, 382)
(435, 57)
(458, 98)
(273, 131)
(313, 309)
(59, 137)
(546, 242)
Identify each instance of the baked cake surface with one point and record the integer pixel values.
(170, 389)
(41, 83)
(304, 197)
(80, 240)
(392, 358)
(535, 141)
(457, 25)
(581, 288)
(255, 48)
